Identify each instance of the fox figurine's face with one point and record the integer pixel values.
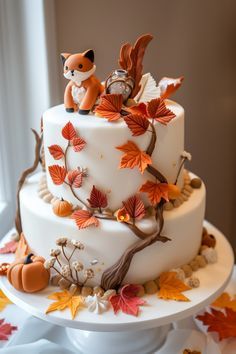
(78, 67)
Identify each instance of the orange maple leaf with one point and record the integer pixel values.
(137, 123)
(223, 301)
(57, 173)
(224, 323)
(157, 110)
(110, 107)
(84, 218)
(133, 157)
(155, 191)
(66, 299)
(171, 287)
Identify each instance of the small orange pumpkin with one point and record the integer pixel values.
(28, 274)
(62, 208)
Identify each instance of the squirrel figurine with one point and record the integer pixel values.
(83, 88)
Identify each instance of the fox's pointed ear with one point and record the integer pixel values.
(64, 56)
(89, 54)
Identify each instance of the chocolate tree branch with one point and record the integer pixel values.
(25, 173)
(180, 168)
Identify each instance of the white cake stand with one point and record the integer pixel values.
(114, 334)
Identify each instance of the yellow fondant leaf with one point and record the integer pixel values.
(225, 300)
(171, 287)
(4, 301)
(65, 299)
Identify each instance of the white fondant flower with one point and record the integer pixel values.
(55, 253)
(78, 266)
(186, 155)
(77, 244)
(49, 263)
(96, 304)
(62, 241)
(65, 270)
(88, 273)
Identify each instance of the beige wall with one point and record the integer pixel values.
(195, 38)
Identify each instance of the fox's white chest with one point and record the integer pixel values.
(78, 93)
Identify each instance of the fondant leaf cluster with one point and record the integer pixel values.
(134, 207)
(84, 218)
(97, 199)
(110, 107)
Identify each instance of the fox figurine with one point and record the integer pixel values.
(83, 88)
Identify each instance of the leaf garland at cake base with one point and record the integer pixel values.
(127, 300)
(66, 299)
(171, 287)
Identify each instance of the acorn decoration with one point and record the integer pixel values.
(28, 274)
(62, 207)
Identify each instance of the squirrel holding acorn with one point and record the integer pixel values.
(84, 88)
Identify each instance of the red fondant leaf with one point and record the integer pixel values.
(97, 199)
(110, 107)
(127, 301)
(168, 86)
(137, 123)
(9, 247)
(78, 144)
(157, 110)
(69, 132)
(155, 191)
(140, 108)
(6, 329)
(133, 157)
(75, 178)
(57, 173)
(222, 322)
(134, 207)
(56, 151)
(84, 218)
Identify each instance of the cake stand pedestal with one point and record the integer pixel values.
(90, 333)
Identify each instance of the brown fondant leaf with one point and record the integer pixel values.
(110, 107)
(66, 299)
(133, 157)
(168, 86)
(171, 287)
(157, 110)
(78, 144)
(9, 247)
(155, 191)
(68, 131)
(137, 123)
(84, 218)
(57, 173)
(134, 207)
(97, 199)
(75, 178)
(23, 248)
(56, 151)
(131, 59)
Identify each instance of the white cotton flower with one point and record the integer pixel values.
(78, 266)
(88, 273)
(186, 155)
(49, 263)
(96, 304)
(65, 270)
(77, 244)
(55, 252)
(62, 241)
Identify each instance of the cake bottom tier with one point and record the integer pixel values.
(105, 244)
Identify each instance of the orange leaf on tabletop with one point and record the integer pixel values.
(69, 132)
(155, 191)
(84, 218)
(157, 110)
(110, 107)
(4, 301)
(22, 248)
(56, 151)
(173, 191)
(75, 178)
(122, 215)
(127, 300)
(66, 299)
(140, 108)
(134, 207)
(168, 86)
(78, 144)
(6, 329)
(57, 173)
(223, 301)
(133, 157)
(224, 323)
(97, 199)
(9, 247)
(171, 287)
(137, 123)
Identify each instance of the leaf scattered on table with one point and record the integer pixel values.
(171, 287)
(83, 219)
(22, 248)
(225, 300)
(222, 322)
(65, 299)
(133, 157)
(6, 329)
(9, 247)
(127, 300)
(4, 301)
(97, 199)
